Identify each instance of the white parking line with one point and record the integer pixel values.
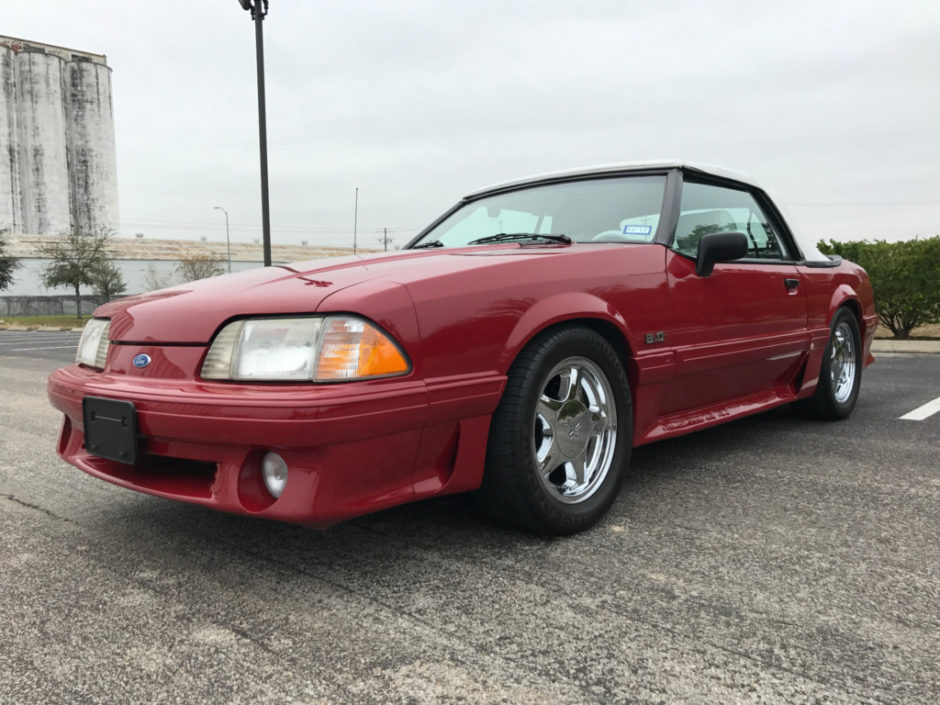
(7, 342)
(56, 334)
(922, 412)
(10, 348)
(49, 347)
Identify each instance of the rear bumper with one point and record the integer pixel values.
(351, 449)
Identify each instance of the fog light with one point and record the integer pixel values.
(274, 472)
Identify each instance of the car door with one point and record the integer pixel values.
(740, 332)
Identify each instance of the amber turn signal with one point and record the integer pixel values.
(354, 349)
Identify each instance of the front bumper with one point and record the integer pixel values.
(350, 448)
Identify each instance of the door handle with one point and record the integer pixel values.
(791, 283)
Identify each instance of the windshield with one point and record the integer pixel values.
(624, 209)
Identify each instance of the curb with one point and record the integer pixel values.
(882, 345)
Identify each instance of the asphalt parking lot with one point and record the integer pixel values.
(47, 345)
(770, 560)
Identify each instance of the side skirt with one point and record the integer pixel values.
(705, 417)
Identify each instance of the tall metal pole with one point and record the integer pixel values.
(259, 9)
(356, 221)
(228, 242)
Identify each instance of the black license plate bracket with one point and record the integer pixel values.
(110, 429)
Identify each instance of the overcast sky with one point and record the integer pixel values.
(834, 106)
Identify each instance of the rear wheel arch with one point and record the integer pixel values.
(845, 297)
(840, 372)
(855, 307)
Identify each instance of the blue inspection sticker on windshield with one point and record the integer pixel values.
(637, 229)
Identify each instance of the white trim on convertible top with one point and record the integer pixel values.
(601, 169)
(809, 250)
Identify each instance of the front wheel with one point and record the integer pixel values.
(841, 372)
(561, 436)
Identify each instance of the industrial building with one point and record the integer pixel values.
(144, 263)
(58, 173)
(58, 168)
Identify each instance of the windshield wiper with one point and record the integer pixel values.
(508, 237)
(429, 243)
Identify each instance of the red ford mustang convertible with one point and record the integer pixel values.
(520, 346)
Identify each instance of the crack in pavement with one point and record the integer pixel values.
(36, 507)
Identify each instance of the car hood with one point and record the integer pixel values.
(191, 313)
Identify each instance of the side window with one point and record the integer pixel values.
(712, 209)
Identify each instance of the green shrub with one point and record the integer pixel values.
(904, 275)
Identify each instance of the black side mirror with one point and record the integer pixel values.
(719, 247)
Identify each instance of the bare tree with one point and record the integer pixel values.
(200, 264)
(154, 279)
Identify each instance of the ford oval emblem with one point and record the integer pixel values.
(141, 361)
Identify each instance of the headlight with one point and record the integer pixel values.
(93, 347)
(315, 348)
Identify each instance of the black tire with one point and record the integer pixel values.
(835, 399)
(544, 419)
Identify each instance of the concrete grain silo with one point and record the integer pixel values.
(57, 160)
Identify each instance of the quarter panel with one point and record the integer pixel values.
(827, 290)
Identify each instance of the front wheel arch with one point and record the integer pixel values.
(612, 332)
(564, 310)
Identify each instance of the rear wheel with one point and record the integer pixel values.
(841, 372)
(561, 436)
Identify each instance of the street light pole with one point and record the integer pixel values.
(259, 9)
(228, 242)
(356, 221)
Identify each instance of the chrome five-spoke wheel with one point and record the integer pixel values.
(575, 430)
(561, 436)
(842, 362)
(840, 373)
